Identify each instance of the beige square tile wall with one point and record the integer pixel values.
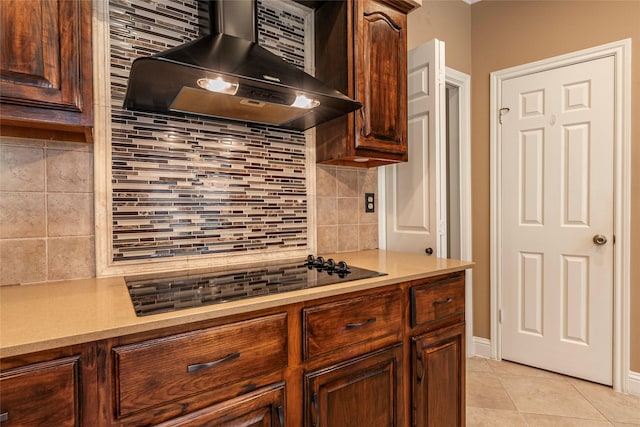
(342, 222)
(46, 211)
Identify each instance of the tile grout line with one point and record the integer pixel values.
(46, 209)
(509, 395)
(557, 377)
(590, 402)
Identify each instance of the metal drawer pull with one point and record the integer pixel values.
(444, 301)
(421, 374)
(317, 409)
(198, 366)
(357, 325)
(4, 417)
(280, 411)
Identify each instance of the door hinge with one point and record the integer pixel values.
(502, 112)
(500, 315)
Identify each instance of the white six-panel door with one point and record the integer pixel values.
(413, 221)
(557, 219)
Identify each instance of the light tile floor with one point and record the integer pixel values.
(513, 395)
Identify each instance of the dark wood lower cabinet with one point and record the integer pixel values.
(391, 356)
(45, 393)
(262, 408)
(363, 391)
(438, 378)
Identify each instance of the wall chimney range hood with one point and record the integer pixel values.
(226, 74)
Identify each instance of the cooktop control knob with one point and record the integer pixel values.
(330, 266)
(342, 266)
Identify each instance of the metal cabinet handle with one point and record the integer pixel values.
(420, 376)
(280, 411)
(358, 325)
(317, 409)
(444, 301)
(198, 366)
(4, 417)
(363, 119)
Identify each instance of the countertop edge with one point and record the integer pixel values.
(212, 312)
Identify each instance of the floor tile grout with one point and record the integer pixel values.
(511, 398)
(588, 403)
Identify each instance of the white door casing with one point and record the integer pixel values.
(557, 193)
(420, 80)
(620, 52)
(414, 190)
(462, 82)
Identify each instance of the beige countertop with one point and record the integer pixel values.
(49, 315)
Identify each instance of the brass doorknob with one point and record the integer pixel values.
(599, 239)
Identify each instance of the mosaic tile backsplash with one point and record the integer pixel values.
(190, 186)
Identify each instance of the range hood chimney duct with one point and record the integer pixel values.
(234, 18)
(226, 74)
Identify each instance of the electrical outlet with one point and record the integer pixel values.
(369, 202)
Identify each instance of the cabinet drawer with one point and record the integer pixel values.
(437, 300)
(153, 372)
(262, 407)
(41, 394)
(331, 326)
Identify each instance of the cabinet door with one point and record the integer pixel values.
(261, 408)
(42, 394)
(46, 71)
(438, 378)
(381, 77)
(363, 391)
(36, 66)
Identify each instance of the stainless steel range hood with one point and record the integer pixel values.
(226, 74)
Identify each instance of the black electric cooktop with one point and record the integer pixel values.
(169, 292)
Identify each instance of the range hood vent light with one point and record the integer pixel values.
(226, 74)
(218, 85)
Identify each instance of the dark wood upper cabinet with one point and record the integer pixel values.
(381, 77)
(361, 50)
(46, 85)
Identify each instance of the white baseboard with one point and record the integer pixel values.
(634, 383)
(481, 347)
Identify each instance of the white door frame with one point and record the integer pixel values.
(461, 81)
(621, 52)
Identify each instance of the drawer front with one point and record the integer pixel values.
(157, 371)
(42, 394)
(437, 300)
(258, 408)
(331, 326)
